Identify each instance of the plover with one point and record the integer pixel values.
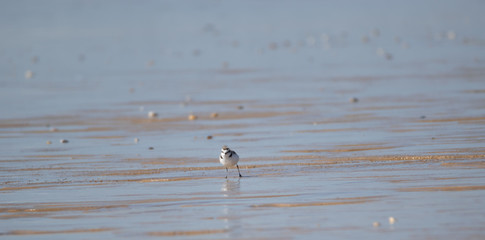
(229, 158)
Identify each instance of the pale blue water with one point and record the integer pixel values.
(106, 64)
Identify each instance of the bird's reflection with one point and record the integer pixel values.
(231, 187)
(230, 214)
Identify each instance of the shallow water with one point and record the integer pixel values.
(314, 162)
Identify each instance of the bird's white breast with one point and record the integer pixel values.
(229, 161)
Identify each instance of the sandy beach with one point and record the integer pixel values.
(351, 121)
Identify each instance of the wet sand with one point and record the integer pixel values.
(327, 147)
(297, 180)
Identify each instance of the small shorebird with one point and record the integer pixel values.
(229, 158)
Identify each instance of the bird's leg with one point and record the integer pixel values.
(238, 171)
(226, 172)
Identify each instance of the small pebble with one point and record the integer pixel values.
(273, 46)
(192, 117)
(150, 148)
(225, 65)
(392, 220)
(423, 117)
(388, 56)
(451, 35)
(381, 52)
(376, 224)
(214, 115)
(152, 114)
(137, 140)
(29, 74)
(64, 141)
(354, 100)
(209, 137)
(53, 129)
(49, 142)
(240, 107)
